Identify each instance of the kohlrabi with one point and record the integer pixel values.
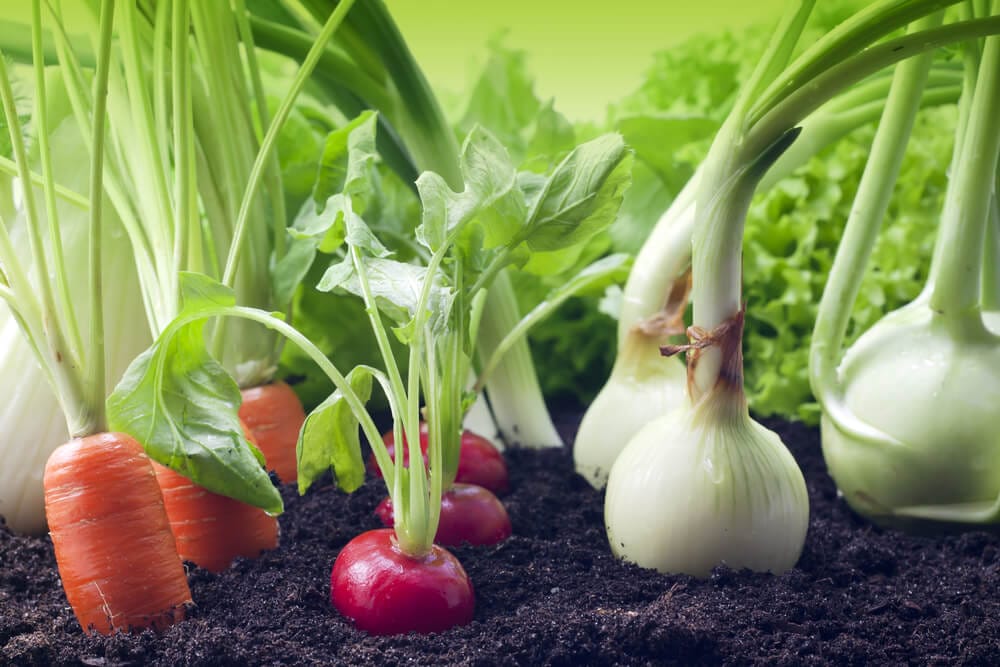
(909, 411)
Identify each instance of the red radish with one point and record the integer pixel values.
(479, 462)
(386, 592)
(469, 514)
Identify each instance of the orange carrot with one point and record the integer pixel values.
(212, 530)
(116, 555)
(275, 416)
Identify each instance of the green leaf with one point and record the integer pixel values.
(491, 199)
(396, 287)
(348, 158)
(582, 196)
(182, 405)
(329, 439)
(343, 189)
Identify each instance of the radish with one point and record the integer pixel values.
(469, 514)
(386, 591)
(479, 462)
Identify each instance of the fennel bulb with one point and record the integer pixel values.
(704, 485)
(31, 410)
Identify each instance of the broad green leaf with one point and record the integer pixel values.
(582, 196)
(181, 404)
(396, 287)
(343, 189)
(329, 438)
(491, 199)
(348, 157)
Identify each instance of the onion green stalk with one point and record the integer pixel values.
(909, 414)
(705, 484)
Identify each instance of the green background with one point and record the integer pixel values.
(583, 53)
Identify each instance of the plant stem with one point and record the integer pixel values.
(967, 207)
(804, 100)
(861, 231)
(96, 356)
(270, 139)
(66, 313)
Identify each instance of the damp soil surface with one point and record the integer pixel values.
(553, 594)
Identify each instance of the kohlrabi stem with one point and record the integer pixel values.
(66, 313)
(971, 57)
(844, 41)
(861, 231)
(991, 259)
(270, 139)
(956, 290)
(802, 101)
(98, 390)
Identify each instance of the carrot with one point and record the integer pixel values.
(116, 555)
(212, 530)
(275, 416)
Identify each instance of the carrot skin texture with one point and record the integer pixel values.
(470, 514)
(116, 555)
(275, 416)
(213, 530)
(385, 592)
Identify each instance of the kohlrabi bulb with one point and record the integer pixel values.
(933, 387)
(643, 385)
(706, 485)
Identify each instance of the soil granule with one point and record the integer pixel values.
(553, 594)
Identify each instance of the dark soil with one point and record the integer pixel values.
(553, 594)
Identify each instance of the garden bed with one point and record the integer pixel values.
(553, 594)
